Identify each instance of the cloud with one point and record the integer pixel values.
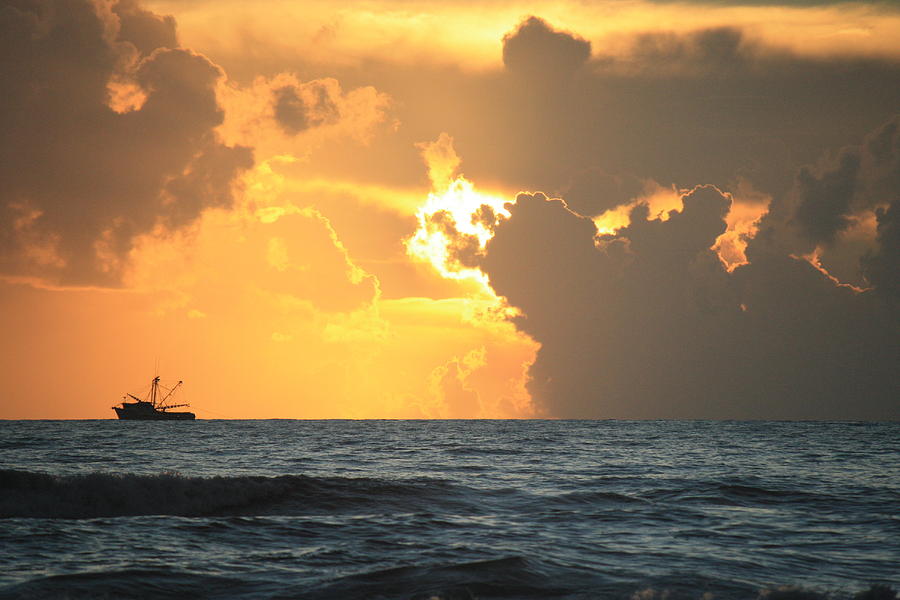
(442, 161)
(677, 101)
(648, 323)
(538, 49)
(298, 108)
(266, 36)
(284, 115)
(714, 105)
(84, 178)
(452, 397)
(456, 220)
(144, 29)
(594, 191)
(882, 266)
(824, 201)
(832, 205)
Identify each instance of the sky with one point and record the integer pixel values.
(624, 209)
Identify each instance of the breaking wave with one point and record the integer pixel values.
(28, 494)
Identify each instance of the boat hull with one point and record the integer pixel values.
(152, 415)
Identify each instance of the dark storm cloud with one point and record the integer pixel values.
(879, 187)
(882, 266)
(687, 109)
(592, 191)
(648, 323)
(80, 179)
(145, 30)
(824, 200)
(830, 197)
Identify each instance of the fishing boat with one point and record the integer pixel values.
(154, 407)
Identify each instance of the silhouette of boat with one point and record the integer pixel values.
(154, 408)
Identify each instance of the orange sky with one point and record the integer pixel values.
(272, 317)
(291, 207)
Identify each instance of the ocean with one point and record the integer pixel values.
(632, 510)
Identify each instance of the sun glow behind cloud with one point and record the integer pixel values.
(457, 220)
(659, 200)
(455, 226)
(747, 208)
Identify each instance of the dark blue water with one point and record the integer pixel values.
(450, 509)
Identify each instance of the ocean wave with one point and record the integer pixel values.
(505, 578)
(595, 498)
(874, 592)
(26, 494)
(29, 494)
(129, 583)
(787, 592)
(749, 494)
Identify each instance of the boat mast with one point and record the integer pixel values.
(153, 391)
